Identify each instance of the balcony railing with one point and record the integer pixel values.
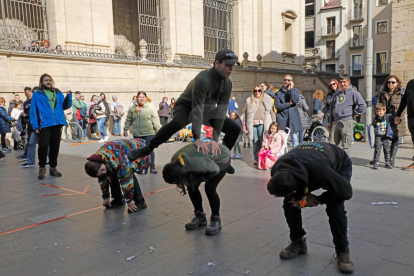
(356, 42)
(356, 70)
(325, 31)
(325, 54)
(356, 15)
(381, 69)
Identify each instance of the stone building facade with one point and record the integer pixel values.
(125, 46)
(402, 36)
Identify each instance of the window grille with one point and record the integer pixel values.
(151, 28)
(218, 26)
(21, 22)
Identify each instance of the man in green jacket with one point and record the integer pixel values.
(204, 101)
(78, 104)
(188, 169)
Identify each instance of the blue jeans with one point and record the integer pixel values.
(102, 127)
(147, 140)
(301, 137)
(31, 148)
(117, 126)
(294, 138)
(82, 124)
(257, 140)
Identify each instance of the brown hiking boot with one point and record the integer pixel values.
(54, 172)
(345, 264)
(294, 249)
(42, 172)
(409, 168)
(153, 169)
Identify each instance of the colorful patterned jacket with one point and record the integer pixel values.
(114, 154)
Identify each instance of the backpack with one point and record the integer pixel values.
(118, 112)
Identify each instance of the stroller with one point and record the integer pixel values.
(317, 131)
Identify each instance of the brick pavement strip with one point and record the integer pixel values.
(253, 234)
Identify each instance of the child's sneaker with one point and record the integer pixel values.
(375, 166)
(388, 165)
(248, 145)
(233, 155)
(238, 156)
(244, 145)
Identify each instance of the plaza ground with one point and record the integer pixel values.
(49, 230)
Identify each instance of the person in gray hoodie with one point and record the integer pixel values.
(346, 103)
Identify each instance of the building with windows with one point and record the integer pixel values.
(402, 37)
(341, 38)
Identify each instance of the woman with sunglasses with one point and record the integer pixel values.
(333, 87)
(257, 118)
(391, 95)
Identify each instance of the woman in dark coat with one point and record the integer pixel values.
(164, 111)
(333, 87)
(5, 121)
(391, 95)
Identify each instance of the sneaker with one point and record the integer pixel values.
(345, 264)
(141, 204)
(93, 136)
(392, 161)
(138, 153)
(22, 158)
(6, 149)
(248, 145)
(244, 146)
(388, 165)
(153, 169)
(295, 248)
(238, 156)
(197, 219)
(255, 162)
(101, 141)
(54, 172)
(27, 165)
(2, 155)
(375, 166)
(106, 138)
(409, 168)
(214, 226)
(233, 155)
(42, 172)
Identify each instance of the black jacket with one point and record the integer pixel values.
(407, 101)
(317, 165)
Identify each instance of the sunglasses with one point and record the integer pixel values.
(332, 84)
(257, 91)
(393, 82)
(229, 56)
(287, 80)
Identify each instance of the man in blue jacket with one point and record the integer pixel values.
(287, 111)
(47, 118)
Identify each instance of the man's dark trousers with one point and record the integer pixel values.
(182, 113)
(335, 211)
(49, 139)
(382, 142)
(116, 191)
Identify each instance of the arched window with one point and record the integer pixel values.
(22, 22)
(218, 26)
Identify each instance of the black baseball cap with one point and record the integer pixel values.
(227, 56)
